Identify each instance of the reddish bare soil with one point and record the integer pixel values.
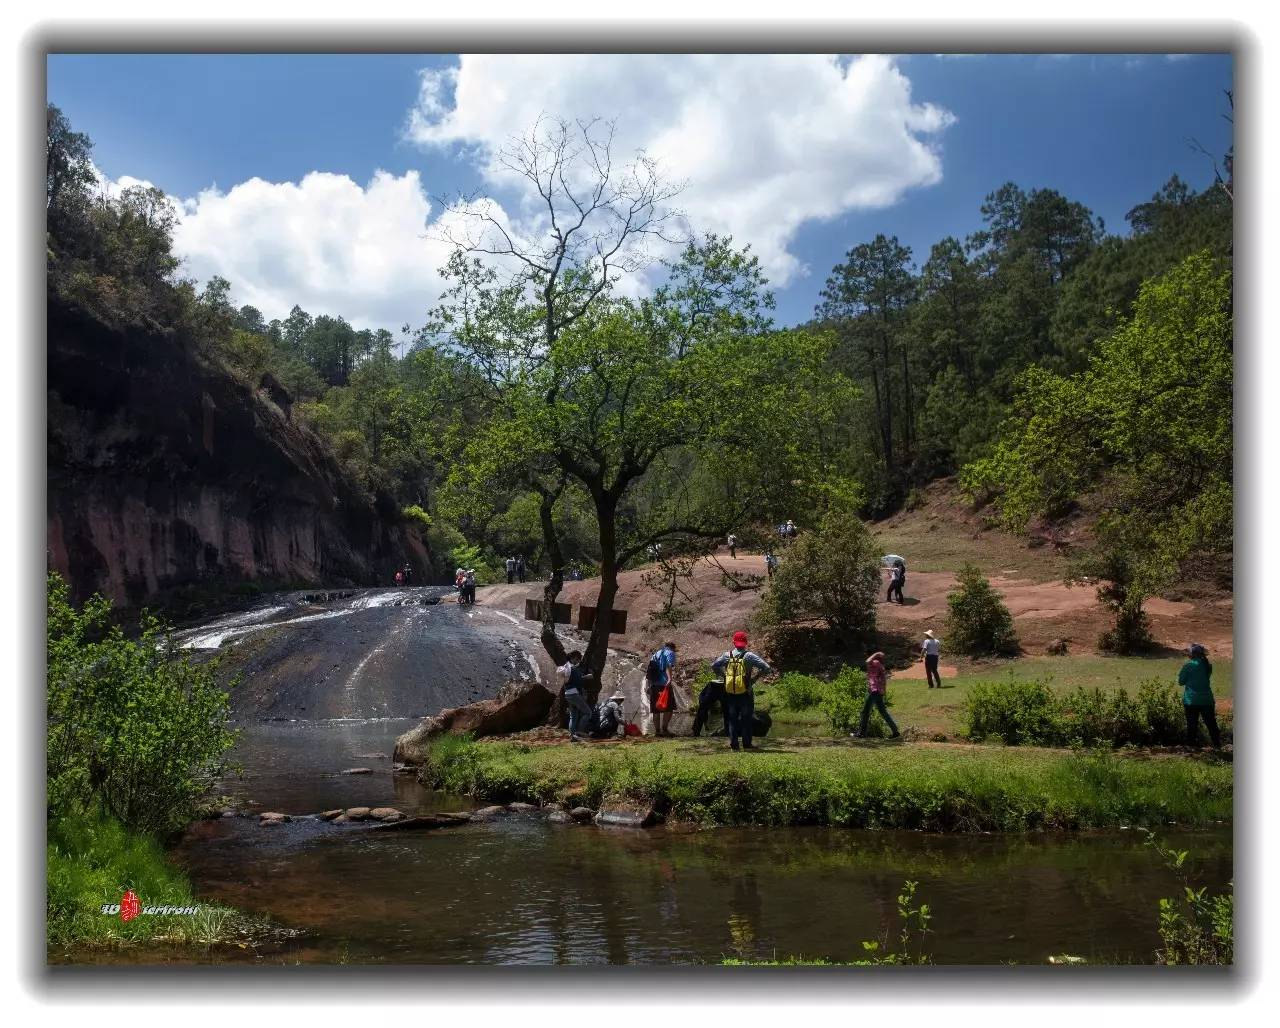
(1043, 611)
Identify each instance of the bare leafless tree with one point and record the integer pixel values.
(1225, 183)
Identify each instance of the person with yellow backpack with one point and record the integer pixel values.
(739, 667)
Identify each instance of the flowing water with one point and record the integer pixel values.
(521, 890)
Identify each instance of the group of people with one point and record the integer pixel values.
(515, 569)
(738, 668)
(464, 580)
(897, 579)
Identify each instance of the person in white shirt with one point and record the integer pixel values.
(931, 647)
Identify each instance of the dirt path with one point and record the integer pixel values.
(1042, 610)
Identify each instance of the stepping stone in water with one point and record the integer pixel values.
(330, 815)
(386, 814)
(357, 813)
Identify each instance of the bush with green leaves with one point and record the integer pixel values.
(134, 727)
(829, 575)
(978, 622)
(845, 698)
(1031, 712)
(794, 691)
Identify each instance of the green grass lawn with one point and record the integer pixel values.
(937, 711)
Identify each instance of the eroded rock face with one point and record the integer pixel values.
(165, 472)
(517, 707)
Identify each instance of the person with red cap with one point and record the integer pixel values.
(736, 666)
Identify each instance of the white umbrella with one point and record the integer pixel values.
(891, 559)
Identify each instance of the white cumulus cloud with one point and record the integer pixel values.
(764, 142)
(326, 243)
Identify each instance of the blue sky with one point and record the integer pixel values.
(1104, 130)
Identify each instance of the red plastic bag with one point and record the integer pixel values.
(632, 729)
(663, 702)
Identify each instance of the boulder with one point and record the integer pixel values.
(517, 707)
(457, 815)
(386, 814)
(626, 815)
(422, 822)
(487, 813)
(329, 815)
(522, 808)
(340, 819)
(271, 815)
(559, 817)
(357, 813)
(582, 814)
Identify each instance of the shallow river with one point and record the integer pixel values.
(522, 891)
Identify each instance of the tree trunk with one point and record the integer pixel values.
(598, 647)
(558, 715)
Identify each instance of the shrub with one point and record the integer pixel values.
(978, 622)
(1030, 712)
(1015, 712)
(831, 574)
(794, 691)
(843, 705)
(134, 727)
(415, 515)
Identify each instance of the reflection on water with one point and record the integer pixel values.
(523, 891)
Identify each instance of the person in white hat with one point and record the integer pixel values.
(931, 647)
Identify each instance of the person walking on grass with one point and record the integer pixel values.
(660, 689)
(1197, 696)
(931, 647)
(737, 668)
(575, 692)
(877, 676)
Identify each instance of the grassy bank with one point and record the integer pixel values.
(92, 860)
(936, 712)
(934, 788)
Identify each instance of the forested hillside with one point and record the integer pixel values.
(176, 466)
(541, 409)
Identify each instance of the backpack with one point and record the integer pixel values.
(735, 675)
(653, 671)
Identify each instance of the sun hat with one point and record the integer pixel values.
(929, 632)
(875, 655)
(617, 696)
(740, 640)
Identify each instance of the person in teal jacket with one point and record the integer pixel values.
(1197, 695)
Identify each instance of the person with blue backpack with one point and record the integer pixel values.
(660, 689)
(739, 668)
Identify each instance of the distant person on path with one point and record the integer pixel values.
(469, 586)
(520, 568)
(733, 546)
(408, 574)
(659, 688)
(511, 570)
(575, 693)
(931, 647)
(897, 579)
(770, 563)
(460, 583)
(736, 668)
(1197, 696)
(399, 578)
(876, 678)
